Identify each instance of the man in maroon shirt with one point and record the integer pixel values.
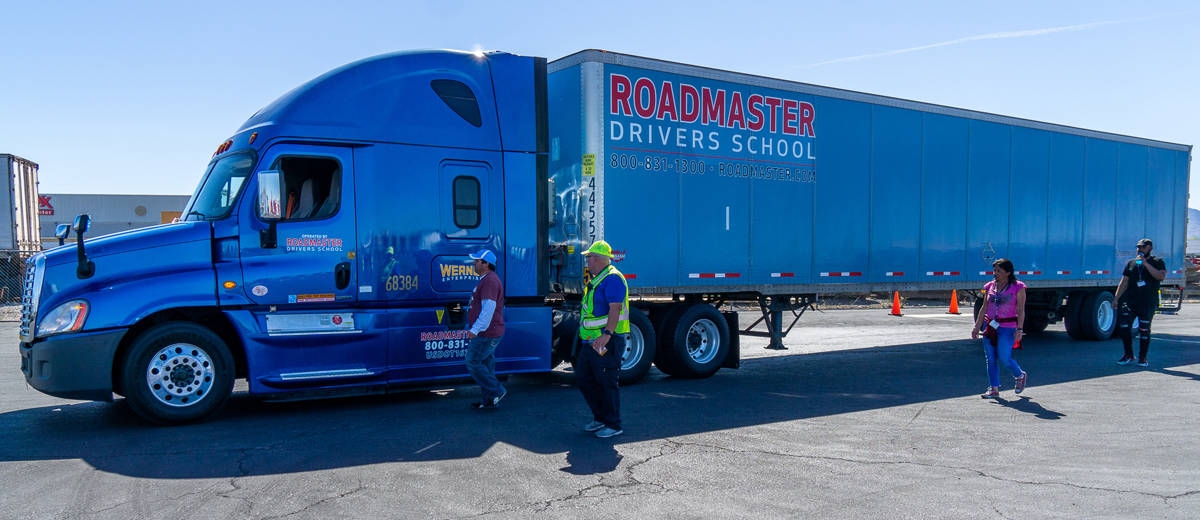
(485, 317)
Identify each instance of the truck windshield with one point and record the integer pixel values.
(220, 188)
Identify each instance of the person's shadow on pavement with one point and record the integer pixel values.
(592, 458)
(1027, 405)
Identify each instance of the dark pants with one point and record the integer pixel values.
(597, 376)
(1144, 312)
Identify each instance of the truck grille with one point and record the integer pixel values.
(27, 300)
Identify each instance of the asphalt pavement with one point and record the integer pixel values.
(865, 416)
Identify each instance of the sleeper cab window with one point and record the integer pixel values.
(458, 96)
(311, 187)
(466, 202)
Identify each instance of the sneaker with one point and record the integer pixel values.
(1020, 382)
(593, 426)
(486, 405)
(991, 393)
(1143, 363)
(1125, 360)
(607, 432)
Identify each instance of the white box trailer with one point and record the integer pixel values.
(20, 228)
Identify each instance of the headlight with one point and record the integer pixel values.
(67, 317)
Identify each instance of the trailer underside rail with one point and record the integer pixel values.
(772, 308)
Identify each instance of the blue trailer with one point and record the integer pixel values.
(325, 248)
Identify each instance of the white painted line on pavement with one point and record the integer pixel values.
(427, 447)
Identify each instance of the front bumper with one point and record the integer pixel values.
(72, 366)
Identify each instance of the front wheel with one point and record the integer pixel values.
(177, 372)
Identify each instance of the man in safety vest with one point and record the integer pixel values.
(603, 323)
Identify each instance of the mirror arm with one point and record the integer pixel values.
(86, 268)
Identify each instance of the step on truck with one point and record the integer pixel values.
(325, 250)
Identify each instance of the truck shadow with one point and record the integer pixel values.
(544, 412)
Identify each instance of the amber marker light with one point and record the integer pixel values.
(252, 137)
(229, 285)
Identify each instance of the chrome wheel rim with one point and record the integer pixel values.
(635, 348)
(180, 375)
(1105, 316)
(703, 341)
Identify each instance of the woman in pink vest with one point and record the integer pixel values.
(1003, 312)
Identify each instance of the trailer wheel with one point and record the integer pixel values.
(1098, 317)
(699, 342)
(640, 346)
(177, 372)
(1072, 321)
(1036, 324)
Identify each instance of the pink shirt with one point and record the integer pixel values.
(1003, 305)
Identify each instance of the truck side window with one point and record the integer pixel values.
(458, 96)
(466, 202)
(312, 187)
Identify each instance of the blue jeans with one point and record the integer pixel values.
(1003, 353)
(481, 364)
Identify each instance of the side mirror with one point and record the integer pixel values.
(82, 223)
(62, 231)
(270, 206)
(86, 268)
(270, 200)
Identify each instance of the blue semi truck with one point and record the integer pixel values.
(326, 247)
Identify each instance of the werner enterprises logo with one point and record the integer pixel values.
(789, 124)
(453, 272)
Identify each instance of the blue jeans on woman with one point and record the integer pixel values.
(1002, 353)
(481, 364)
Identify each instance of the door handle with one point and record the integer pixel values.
(342, 275)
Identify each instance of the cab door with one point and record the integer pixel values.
(308, 260)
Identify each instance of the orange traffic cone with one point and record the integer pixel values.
(953, 303)
(896, 304)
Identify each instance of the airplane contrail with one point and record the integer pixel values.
(989, 36)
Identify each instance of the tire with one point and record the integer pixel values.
(1036, 324)
(640, 347)
(1074, 308)
(699, 342)
(177, 353)
(978, 308)
(1098, 316)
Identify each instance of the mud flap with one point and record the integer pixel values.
(734, 358)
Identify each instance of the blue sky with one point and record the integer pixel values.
(133, 97)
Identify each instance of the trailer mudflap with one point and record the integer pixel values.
(734, 358)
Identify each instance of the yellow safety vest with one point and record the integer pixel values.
(589, 324)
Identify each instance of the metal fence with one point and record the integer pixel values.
(12, 281)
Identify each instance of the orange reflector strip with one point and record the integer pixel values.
(229, 285)
(252, 137)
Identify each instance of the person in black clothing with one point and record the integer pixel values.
(1137, 297)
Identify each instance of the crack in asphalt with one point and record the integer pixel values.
(939, 466)
(626, 485)
(358, 488)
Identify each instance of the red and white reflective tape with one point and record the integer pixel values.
(782, 275)
(842, 273)
(986, 273)
(1026, 273)
(894, 273)
(1064, 272)
(942, 273)
(1096, 272)
(629, 276)
(1177, 271)
(714, 275)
